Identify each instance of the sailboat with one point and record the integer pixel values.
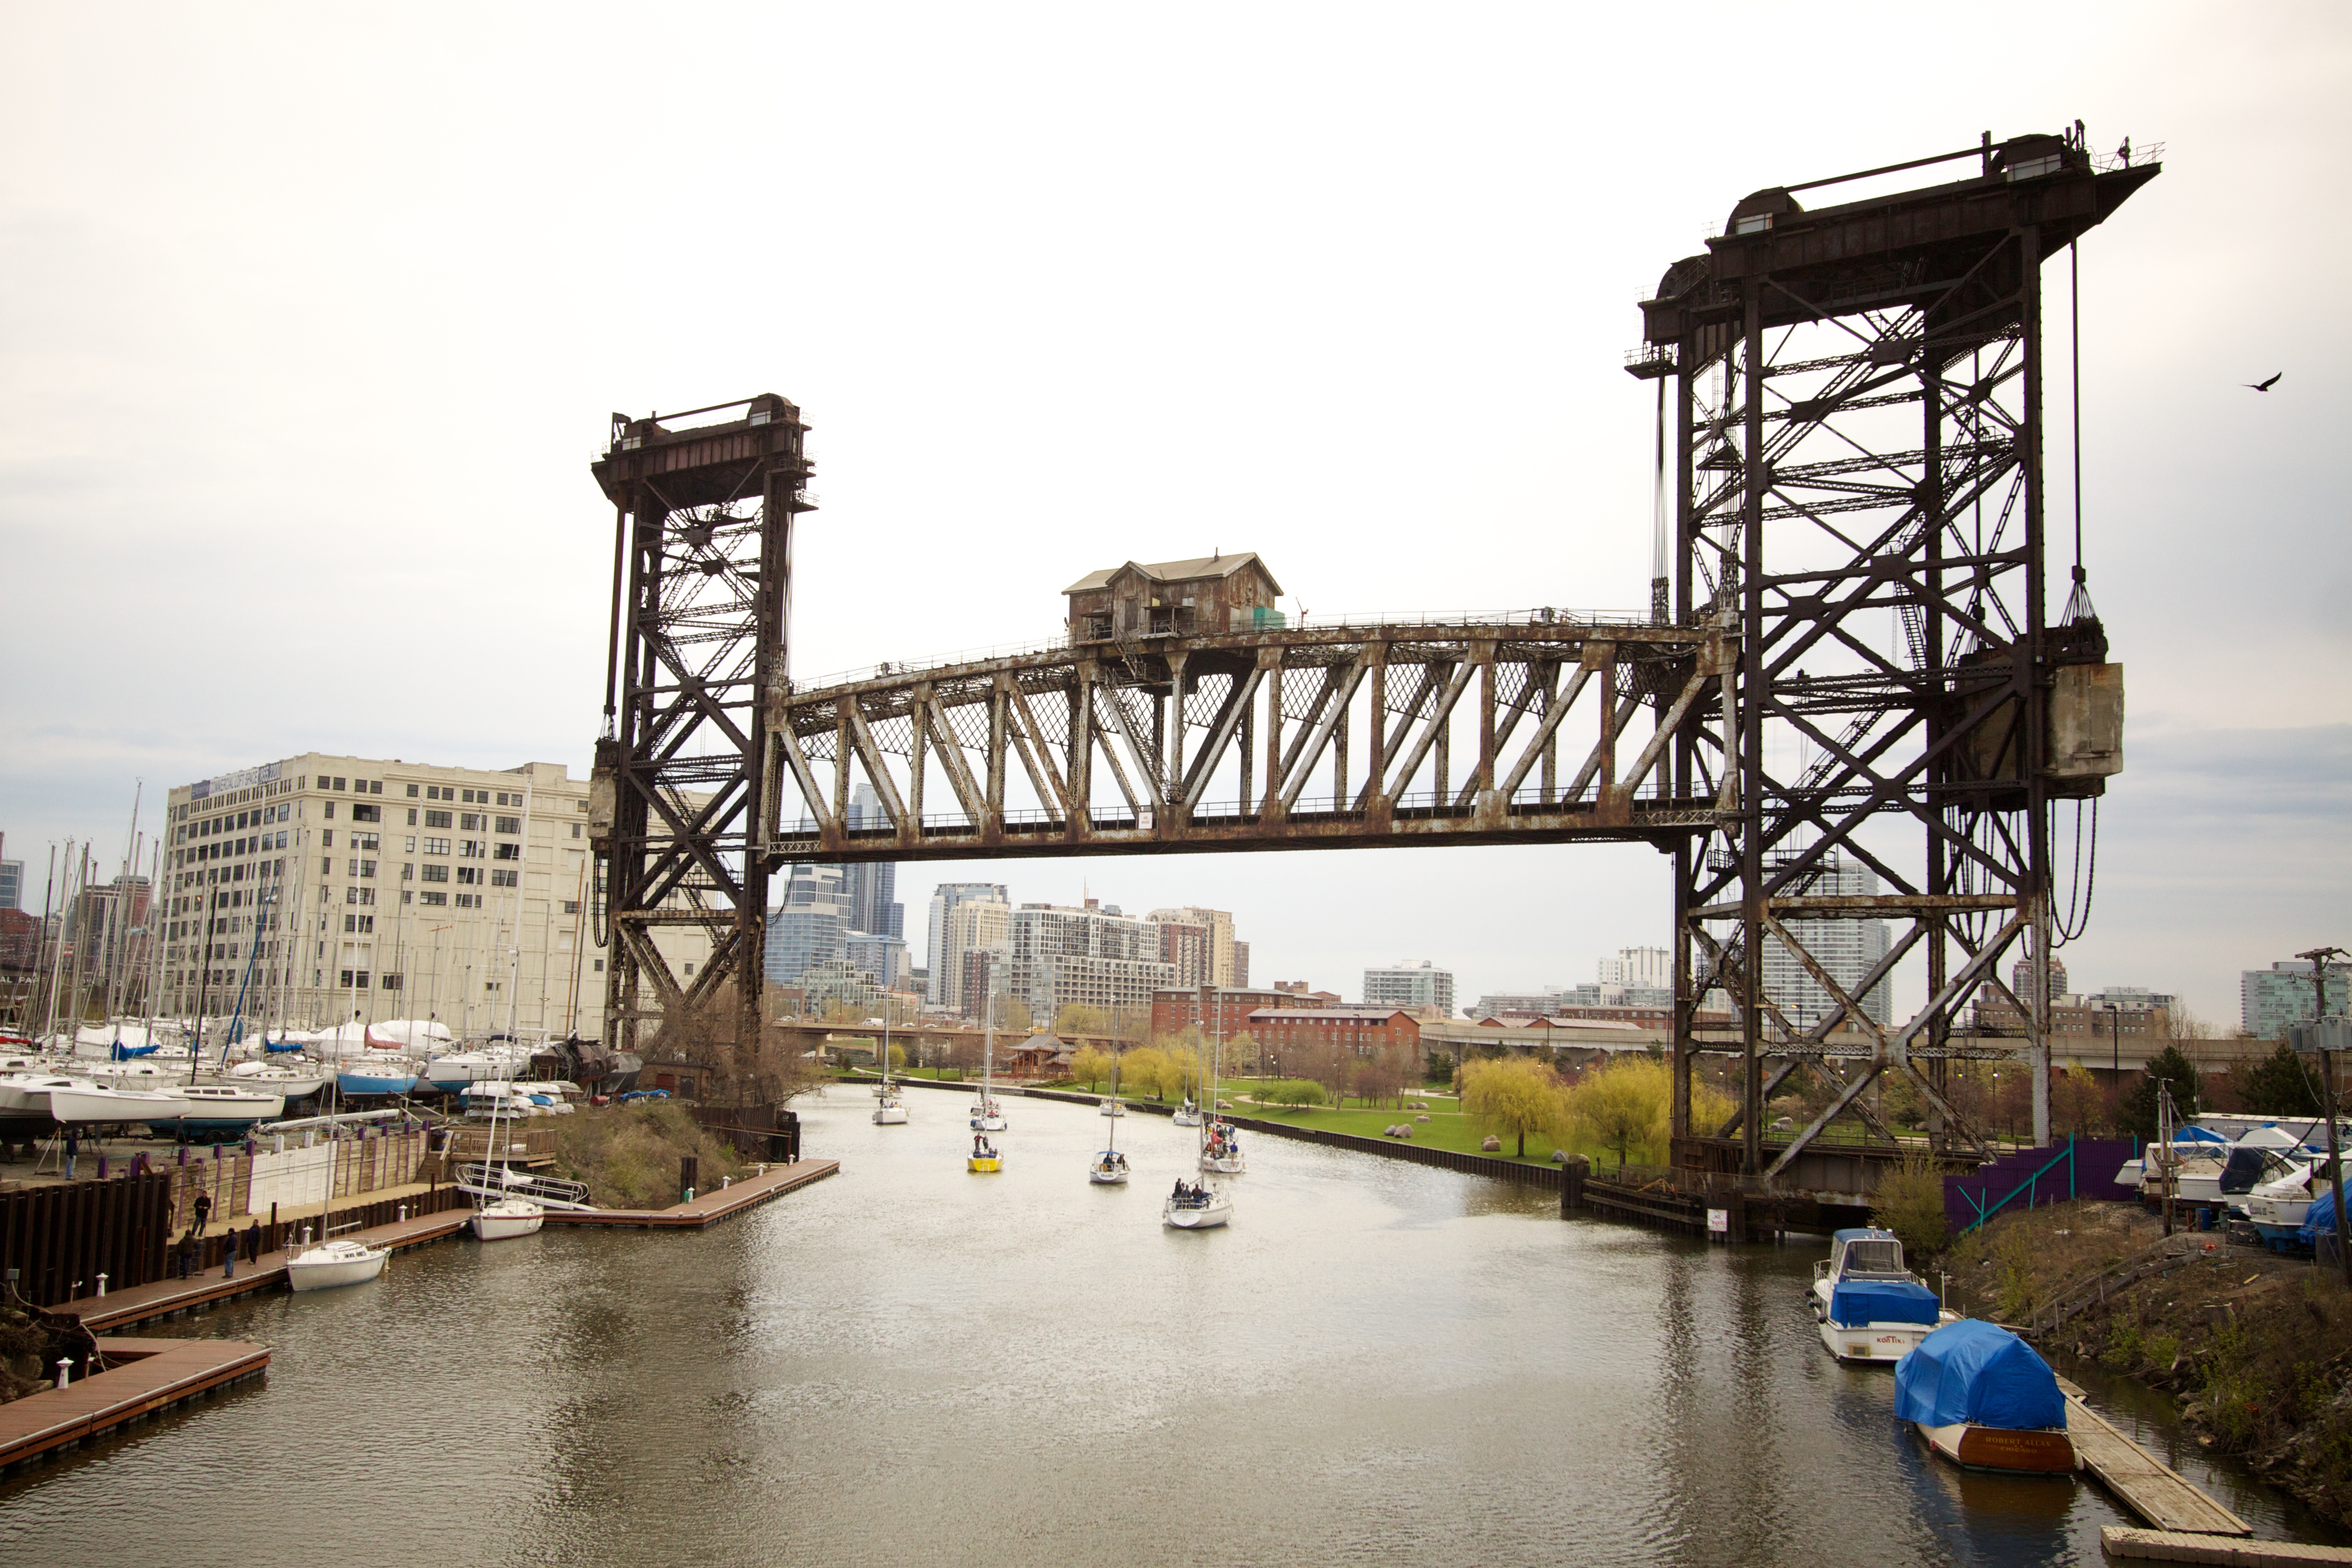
(503, 1219)
(1200, 1205)
(333, 1263)
(1221, 1146)
(888, 1110)
(987, 1115)
(1109, 1169)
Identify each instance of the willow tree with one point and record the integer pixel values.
(1512, 1096)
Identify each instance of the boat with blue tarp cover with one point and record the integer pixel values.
(1869, 1307)
(1985, 1399)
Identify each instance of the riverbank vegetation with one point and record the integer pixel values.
(2256, 1349)
(629, 1154)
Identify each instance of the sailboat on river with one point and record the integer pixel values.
(1109, 1169)
(889, 1107)
(1202, 1204)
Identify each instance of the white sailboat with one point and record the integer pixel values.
(889, 1110)
(1109, 1167)
(1220, 1144)
(987, 1115)
(333, 1263)
(1200, 1205)
(511, 1216)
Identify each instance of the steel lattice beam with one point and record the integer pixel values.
(682, 788)
(1176, 724)
(1856, 406)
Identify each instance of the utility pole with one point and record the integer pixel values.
(2318, 957)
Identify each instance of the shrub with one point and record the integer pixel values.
(1910, 1202)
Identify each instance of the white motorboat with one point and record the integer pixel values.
(1187, 1115)
(507, 1218)
(889, 1110)
(1869, 1307)
(1196, 1206)
(333, 1263)
(1109, 1169)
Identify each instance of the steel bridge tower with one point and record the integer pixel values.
(682, 788)
(1852, 408)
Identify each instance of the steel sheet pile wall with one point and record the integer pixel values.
(58, 1239)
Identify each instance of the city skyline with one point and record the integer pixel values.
(178, 293)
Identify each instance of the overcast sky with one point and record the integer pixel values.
(311, 319)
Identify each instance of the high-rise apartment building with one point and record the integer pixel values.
(944, 966)
(1650, 968)
(1847, 949)
(2020, 978)
(979, 923)
(1411, 982)
(327, 887)
(811, 926)
(11, 884)
(1184, 945)
(1241, 965)
(1220, 926)
(1094, 956)
(883, 957)
(2269, 999)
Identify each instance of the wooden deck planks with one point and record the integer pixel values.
(707, 1208)
(145, 1303)
(164, 1373)
(2149, 1488)
(2124, 1541)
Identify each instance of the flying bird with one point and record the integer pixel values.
(2262, 385)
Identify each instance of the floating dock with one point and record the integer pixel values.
(2149, 1488)
(2121, 1540)
(146, 1303)
(147, 1376)
(707, 1208)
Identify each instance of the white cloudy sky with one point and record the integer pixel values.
(311, 318)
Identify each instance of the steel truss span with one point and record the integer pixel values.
(701, 596)
(1536, 728)
(1853, 408)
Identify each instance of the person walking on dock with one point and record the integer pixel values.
(203, 1211)
(253, 1242)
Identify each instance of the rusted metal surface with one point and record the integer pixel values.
(701, 597)
(1855, 418)
(1324, 737)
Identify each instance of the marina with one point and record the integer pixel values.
(1365, 1320)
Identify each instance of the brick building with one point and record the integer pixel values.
(1175, 1009)
(1360, 1030)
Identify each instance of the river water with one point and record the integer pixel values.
(1377, 1363)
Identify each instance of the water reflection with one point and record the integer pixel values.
(1379, 1361)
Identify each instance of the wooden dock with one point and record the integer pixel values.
(146, 1303)
(2122, 1541)
(707, 1208)
(2149, 1488)
(207, 1288)
(145, 1377)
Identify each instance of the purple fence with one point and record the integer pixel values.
(2036, 1178)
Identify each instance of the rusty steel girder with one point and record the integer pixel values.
(701, 592)
(1322, 737)
(1853, 411)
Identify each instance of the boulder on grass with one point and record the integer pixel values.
(1404, 1129)
(1492, 1145)
(1421, 1119)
